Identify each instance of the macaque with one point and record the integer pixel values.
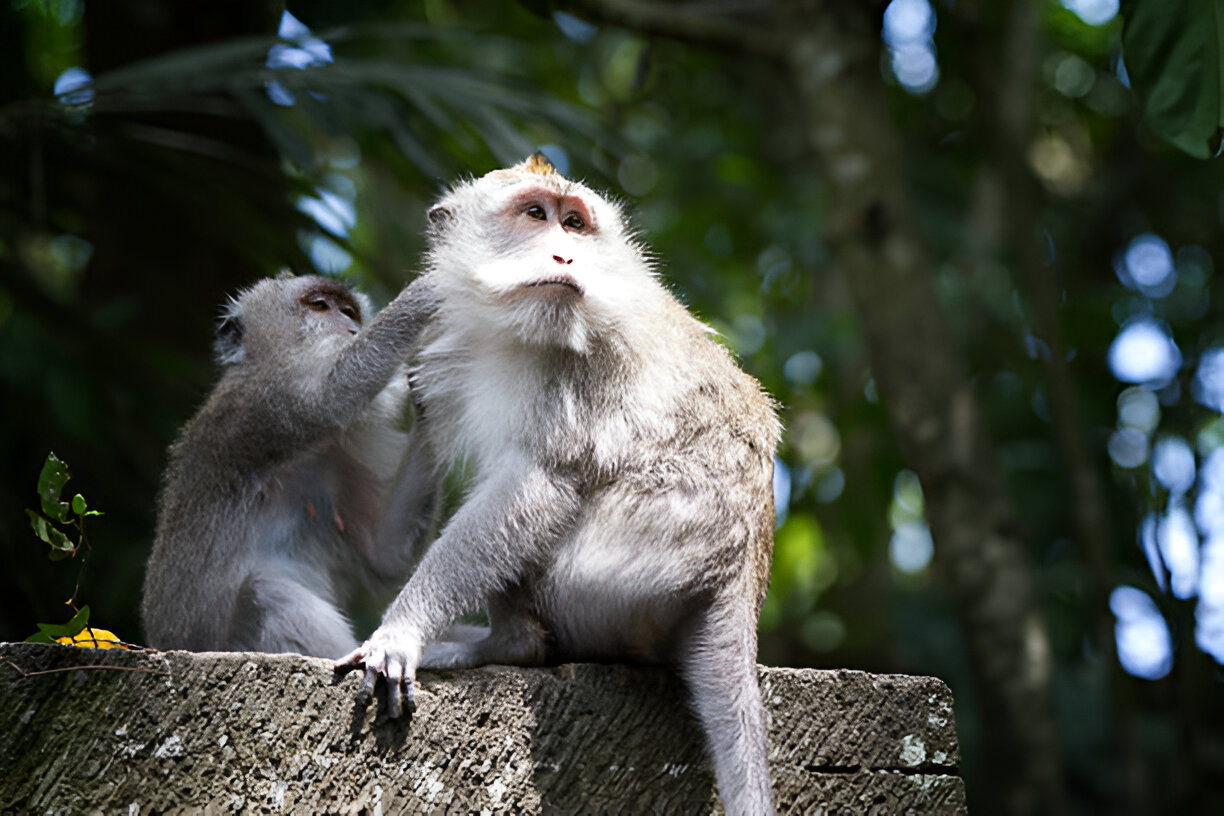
(622, 507)
(285, 495)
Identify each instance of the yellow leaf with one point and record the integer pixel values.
(91, 638)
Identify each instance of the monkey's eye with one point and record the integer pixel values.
(318, 304)
(574, 221)
(350, 313)
(536, 212)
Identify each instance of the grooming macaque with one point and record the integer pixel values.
(622, 507)
(272, 507)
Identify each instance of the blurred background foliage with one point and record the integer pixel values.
(156, 157)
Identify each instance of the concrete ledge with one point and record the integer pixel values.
(85, 730)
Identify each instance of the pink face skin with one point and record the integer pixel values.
(556, 224)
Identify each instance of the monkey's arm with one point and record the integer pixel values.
(504, 530)
(363, 368)
(411, 508)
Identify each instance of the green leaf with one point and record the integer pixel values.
(61, 546)
(78, 504)
(51, 483)
(1174, 55)
(51, 631)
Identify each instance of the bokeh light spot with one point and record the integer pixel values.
(1147, 266)
(1208, 385)
(1093, 12)
(580, 31)
(1209, 504)
(803, 367)
(1143, 352)
(908, 30)
(907, 21)
(1145, 648)
(1074, 76)
(1173, 464)
(911, 547)
(781, 491)
(1128, 447)
(1151, 550)
(74, 87)
(1178, 541)
(1138, 408)
(823, 632)
(1209, 615)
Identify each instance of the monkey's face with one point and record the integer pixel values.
(281, 314)
(331, 309)
(542, 257)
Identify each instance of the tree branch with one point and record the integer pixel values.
(697, 24)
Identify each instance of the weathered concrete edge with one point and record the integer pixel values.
(849, 740)
(930, 697)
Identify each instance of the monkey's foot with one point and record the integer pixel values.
(448, 654)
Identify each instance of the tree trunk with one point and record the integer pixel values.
(831, 53)
(918, 371)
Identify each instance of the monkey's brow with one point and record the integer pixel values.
(565, 198)
(534, 193)
(336, 289)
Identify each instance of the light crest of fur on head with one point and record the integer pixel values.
(538, 163)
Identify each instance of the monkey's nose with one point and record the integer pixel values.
(561, 260)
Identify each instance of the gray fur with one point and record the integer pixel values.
(623, 504)
(271, 513)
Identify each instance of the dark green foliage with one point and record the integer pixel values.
(126, 221)
(50, 632)
(50, 489)
(1174, 52)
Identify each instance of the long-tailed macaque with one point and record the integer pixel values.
(285, 493)
(622, 507)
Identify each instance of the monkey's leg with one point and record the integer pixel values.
(276, 613)
(503, 531)
(515, 638)
(718, 664)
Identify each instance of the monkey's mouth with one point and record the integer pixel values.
(564, 281)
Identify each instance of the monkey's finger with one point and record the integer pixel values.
(351, 661)
(395, 688)
(395, 698)
(366, 692)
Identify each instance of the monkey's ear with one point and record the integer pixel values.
(439, 215)
(228, 347)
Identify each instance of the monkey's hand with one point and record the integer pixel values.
(393, 655)
(422, 297)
